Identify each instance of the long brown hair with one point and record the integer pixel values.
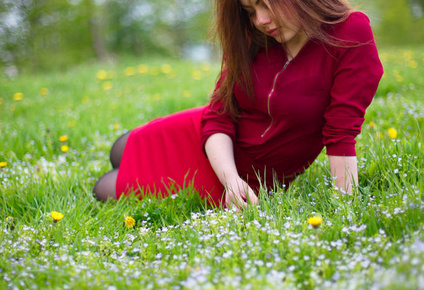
(240, 40)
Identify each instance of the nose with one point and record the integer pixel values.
(263, 17)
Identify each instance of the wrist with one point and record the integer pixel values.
(229, 178)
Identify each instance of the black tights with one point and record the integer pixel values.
(105, 187)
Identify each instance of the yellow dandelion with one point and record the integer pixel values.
(107, 86)
(85, 99)
(166, 69)
(379, 135)
(115, 126)
(142, 69)
(129, 71)
(315, 221)
(57, 216)
(9, 222)
(383, 56)
(1, 101)
(63, 138)
(205, 67)
(186, 94)
(72, 123)
(407, 54)
(44, 91)
(101, 75)
(18, 96)
(412, 64)
(157, 97)
(399, 78)
(3, 164)
(196, 75)
(372, 124)
(129, 222)
(392, 133)
(64, 148)
(171, 75)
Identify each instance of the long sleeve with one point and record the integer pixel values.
(214, 120)
(357, 72)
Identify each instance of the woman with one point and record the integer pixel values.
(296, 76)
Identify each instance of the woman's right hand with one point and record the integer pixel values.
(239, 195)
(219, 148)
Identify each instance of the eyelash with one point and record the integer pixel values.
(250, 14)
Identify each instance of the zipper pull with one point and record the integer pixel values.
(286, 64)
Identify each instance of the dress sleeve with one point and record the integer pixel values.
(356, 74)
(215, 120)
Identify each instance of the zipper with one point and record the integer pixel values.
(269, 97)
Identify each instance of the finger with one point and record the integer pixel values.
(238, 201)
(252, 197)
(233, 200)
(249, 195)
(236, 195)
(240, 192)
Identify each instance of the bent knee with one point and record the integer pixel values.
(105, 187)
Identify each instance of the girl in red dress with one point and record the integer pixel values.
(296, 76)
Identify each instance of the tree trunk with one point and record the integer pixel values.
(95, 25)
(97, 42)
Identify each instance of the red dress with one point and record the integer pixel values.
(165, 155)
(317, 99)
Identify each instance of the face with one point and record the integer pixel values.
(264, 20)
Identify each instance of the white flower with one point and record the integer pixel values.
(227, 254)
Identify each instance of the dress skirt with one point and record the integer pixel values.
(166, 155)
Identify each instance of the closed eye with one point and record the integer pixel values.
(250, 14)
(248, 10)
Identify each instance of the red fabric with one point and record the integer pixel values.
(166, 154)
(318, 100)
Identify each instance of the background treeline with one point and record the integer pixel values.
(37, 35)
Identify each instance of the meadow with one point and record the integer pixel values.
(56, 130)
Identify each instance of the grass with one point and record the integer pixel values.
(371, 239)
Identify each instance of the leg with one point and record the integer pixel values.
(105, 187)
(118, 150)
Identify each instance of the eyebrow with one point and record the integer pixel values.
(247, 6)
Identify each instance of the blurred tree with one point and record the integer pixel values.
(93, 15)
(55, 34)
(420, 2)
(46, 34)
(417, 8)
(397, 24)
(163, 26)
(49, 34)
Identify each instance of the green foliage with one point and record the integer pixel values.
(396, 23)
(55, 35)
(370, 239)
